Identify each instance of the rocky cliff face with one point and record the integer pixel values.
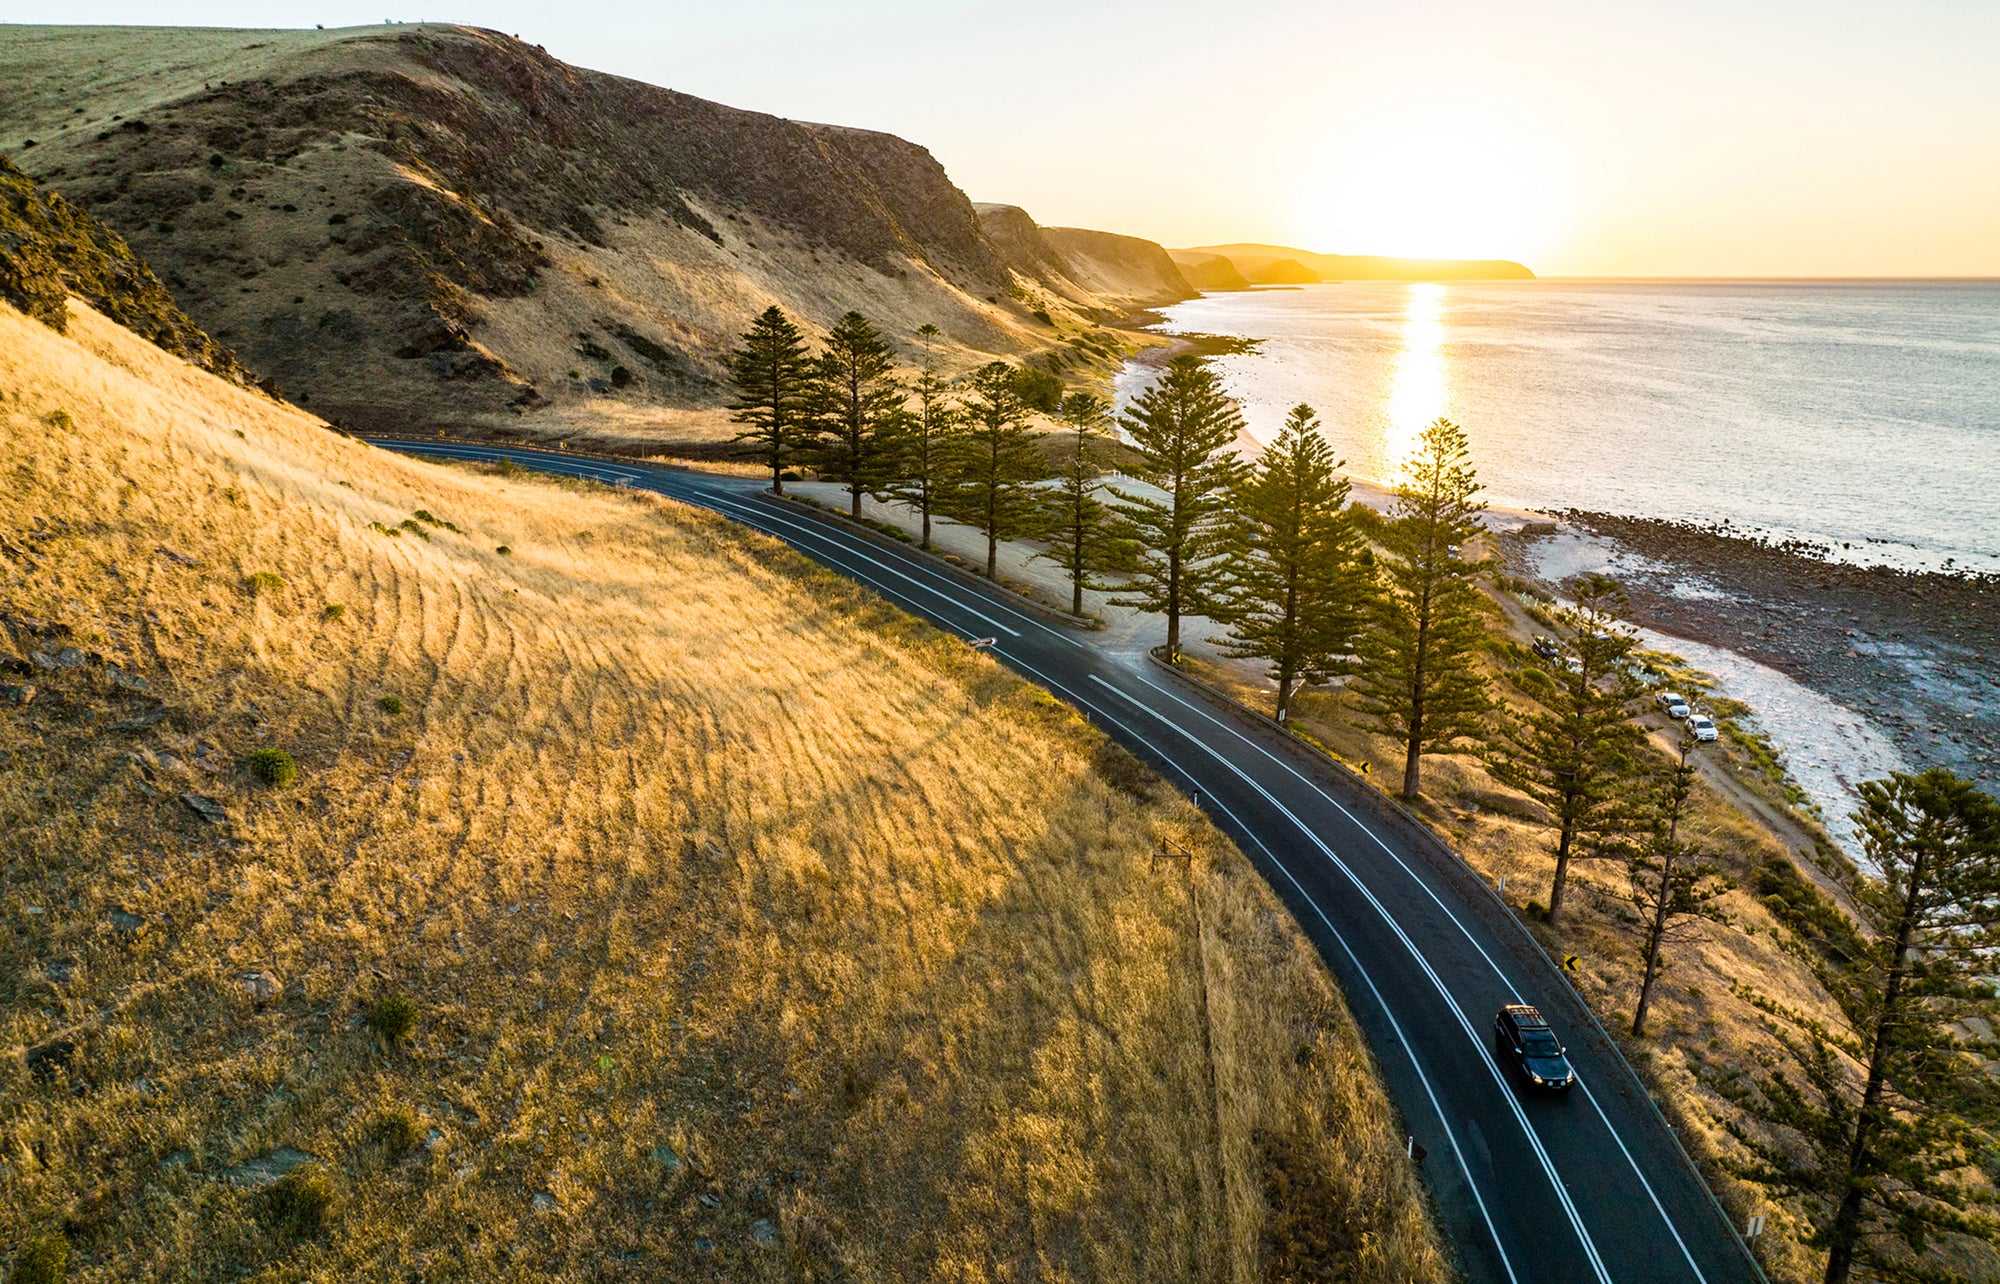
(425, 227)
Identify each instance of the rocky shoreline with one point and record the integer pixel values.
(1918, 653)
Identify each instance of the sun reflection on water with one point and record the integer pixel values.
(1417, 391)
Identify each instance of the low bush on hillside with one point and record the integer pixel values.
(258, 583)
(303, 1201)
(42, 1261)
(273, 767)
(391, 705)
(395, 1133)
(393, 1017)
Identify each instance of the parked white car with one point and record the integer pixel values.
(1674, 703)
(1703, 727)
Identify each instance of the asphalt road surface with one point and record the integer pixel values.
(1592, 1187)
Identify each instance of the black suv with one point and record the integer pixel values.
(1521, 1033)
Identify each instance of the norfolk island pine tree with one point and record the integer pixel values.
(1882, 1127)
(1673, 885)
(1297, 582)
(1184, 428)
(926, 445)
(1576, 752)
(1415, 678)
(1076, 522)
(857, 411)
(774, 387)
(994, 463)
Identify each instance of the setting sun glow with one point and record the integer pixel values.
(1417, 393)
(1433, 182)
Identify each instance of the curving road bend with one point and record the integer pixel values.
(1593, 1188)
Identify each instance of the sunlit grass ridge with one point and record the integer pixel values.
(752, 928)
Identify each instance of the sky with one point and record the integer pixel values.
(1612, 138)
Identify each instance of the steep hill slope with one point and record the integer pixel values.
(1087, 268)
(1282, 264)
(753, 930)
(50, 250)
(439, 227)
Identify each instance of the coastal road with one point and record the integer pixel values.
(1591, 1188)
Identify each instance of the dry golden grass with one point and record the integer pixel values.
(754, 929)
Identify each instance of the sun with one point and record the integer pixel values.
(1433, 181)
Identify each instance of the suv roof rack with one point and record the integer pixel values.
(1523, 1014)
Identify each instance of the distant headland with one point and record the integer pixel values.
(1238, 267)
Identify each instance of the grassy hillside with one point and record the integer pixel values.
(431, 226)
(749, 929)
(50, 250)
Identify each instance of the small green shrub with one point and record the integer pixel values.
(380, 529)
(60, 420)
(504, 551)
(395, 1130)
(409, 524)
(261, 582)
(304, 1200)
(393, 1017)
(273, 767)
(43, 1261)
(333, 611)
(390, 705)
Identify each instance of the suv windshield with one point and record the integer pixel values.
(1540, 1043)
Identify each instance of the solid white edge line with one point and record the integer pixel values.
(1437, 1108)
(1485, 1055)
(600, 469)
(1315, 786)
(721, 504)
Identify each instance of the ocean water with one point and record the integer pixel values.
(1862, 416)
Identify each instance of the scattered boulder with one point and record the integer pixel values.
(18, 693)
(763, 1234)
(68, 657)
(126, 679)
(179, 559)
(142, 720)
(263, 986)
(59, 970)
(264, 1171)
(127, 923)
(543, 1202)
(207, 808)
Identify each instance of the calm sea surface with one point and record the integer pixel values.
(1856, 414)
